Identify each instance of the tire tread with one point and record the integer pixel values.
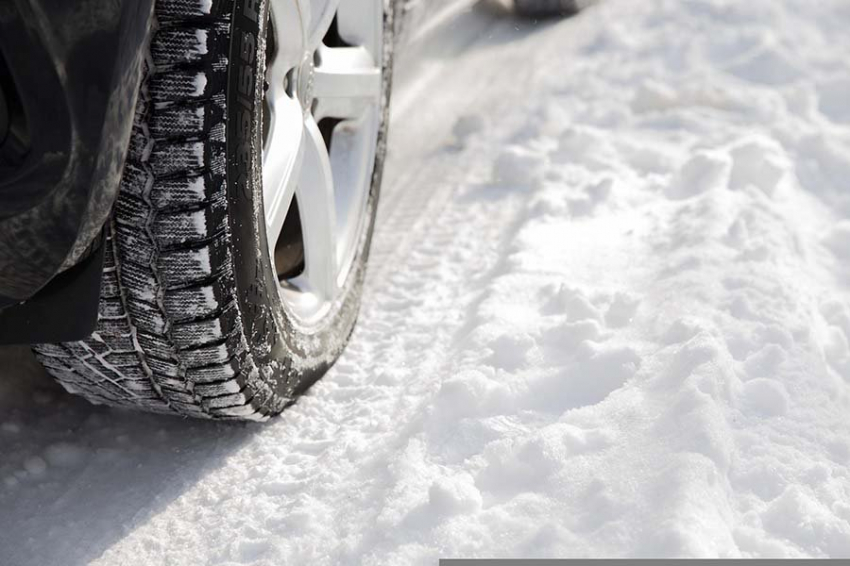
(170, 337)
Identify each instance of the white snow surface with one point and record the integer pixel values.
(608, 314)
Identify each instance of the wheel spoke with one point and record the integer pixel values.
(361, 22)
(347, 82)
(290, 19)
(323, 12)
(282, 161)
(316, 204)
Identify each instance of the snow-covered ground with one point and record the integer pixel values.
(608, 314)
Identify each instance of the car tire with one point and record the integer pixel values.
(194, 319)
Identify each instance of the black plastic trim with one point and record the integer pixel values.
(63, 311)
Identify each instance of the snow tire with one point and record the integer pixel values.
(190, 320)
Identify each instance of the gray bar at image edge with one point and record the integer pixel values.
(627, 562)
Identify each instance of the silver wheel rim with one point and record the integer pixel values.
(327, 170)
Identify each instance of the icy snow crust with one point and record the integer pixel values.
(607, 315)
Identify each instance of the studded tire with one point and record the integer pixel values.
(190, 319)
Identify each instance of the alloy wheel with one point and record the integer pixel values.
(322, 116)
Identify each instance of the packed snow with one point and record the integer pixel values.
(608, 314)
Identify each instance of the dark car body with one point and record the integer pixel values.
(69, 76)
